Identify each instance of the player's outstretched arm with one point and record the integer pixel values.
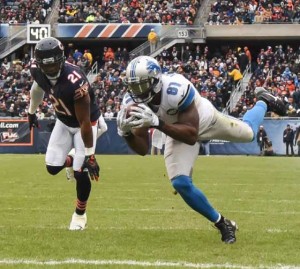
(82, 110)
(36, 98)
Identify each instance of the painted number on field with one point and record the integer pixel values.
(183, 33)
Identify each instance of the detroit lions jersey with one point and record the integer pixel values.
(71, 85)
(177, 94)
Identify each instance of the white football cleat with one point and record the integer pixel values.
(78, 222)
(70, 174)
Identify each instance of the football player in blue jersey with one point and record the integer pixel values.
(77, 119)
(170, 103)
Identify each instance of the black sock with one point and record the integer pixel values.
(83, 188)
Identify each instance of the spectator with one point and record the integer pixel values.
(153, 39)
(40, 114)
(6, 64)
(88, 55)
(235, 73)
(109, 55)
(248, 54)
(83, 63)
(296, 98)
(261, 138)
(108, 114)
(268, 147)
(118, 56)
(297, 139)
(186, 54)
(76, 55)
(243, 60)
(288, 139)
(125, 55)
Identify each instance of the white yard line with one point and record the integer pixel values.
(160, 210)
(182, 264)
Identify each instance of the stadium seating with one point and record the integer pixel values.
(208, 73)
(249, 12)
(165, 12)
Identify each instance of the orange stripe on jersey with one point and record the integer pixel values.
(85, 30)
(108, 30)
(131, 32)
(82, 91)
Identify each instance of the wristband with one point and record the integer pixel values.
(89, 151)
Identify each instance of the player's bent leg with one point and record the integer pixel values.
(194, 197)
(54, 170)
(58, 147)
(255, 116)
(228, 128)
(179, 159)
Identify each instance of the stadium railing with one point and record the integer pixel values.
(238, 91)
(170, 36)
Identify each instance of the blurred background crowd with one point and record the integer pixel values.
(214, 72)
(151, 11)
(276, 68)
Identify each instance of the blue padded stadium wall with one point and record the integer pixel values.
(111, 143)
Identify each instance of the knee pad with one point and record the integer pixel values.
(182, 183)
(53, 170)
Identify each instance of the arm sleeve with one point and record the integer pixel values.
(36, 97)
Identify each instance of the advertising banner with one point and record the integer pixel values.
(15, 133)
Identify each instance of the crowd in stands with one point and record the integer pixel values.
(169, 12)
(133, 11)
(276, 68)
(252, 11)
(24, 11)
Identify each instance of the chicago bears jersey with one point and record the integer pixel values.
(71, 85)
(177, 94)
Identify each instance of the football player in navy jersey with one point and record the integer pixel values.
(171, 104)
(77, 118)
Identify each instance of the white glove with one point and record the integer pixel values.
(143, 117)
(123, 123)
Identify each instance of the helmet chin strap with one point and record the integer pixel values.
(53, 80)
(156, 99)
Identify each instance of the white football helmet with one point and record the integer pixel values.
(143, 78)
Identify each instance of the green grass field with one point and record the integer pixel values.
(135, 220)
